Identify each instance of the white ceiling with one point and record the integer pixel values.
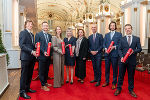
(71, 10)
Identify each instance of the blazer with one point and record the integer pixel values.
(83, 51)
(107, 40)
(97, 45)
(39, 37)
(123, 48)
(26, 45)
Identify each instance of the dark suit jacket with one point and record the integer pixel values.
(97, 45)
(83, 51)
(107, 40)
(39, 37)
(26, 45)
(123, 48)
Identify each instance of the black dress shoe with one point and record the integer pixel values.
(24, 95)
(31, 91)
(97, 84)
(67, 81)
(93, 81)
(117, 92)
(133, 94)
(71, 82)
(105, 84)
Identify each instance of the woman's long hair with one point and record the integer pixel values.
(56, 32)
(78, 33)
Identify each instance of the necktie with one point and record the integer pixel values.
(31, 37)
(46, 37)
(129, 40)
(94, 37)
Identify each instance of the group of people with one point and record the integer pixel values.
(81, 48)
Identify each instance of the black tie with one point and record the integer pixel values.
(31, 37)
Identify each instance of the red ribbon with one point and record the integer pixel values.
(70, 48)
(110, 46)
(127, 55)
(49, 48)
(63, 47)
(38, 49)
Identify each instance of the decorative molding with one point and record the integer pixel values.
(122, 13)
(7, 31)
(21, 14)
(135, 9)
(144, 3)
(108, 16)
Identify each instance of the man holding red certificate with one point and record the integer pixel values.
(111, 42)
(44, 59)
(129, 44)
(27, 57)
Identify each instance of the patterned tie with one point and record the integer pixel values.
(129, 40)
(46, 37)
(94, 37)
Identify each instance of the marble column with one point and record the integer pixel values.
(13, 52)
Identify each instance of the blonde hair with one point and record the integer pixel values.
(69, 29)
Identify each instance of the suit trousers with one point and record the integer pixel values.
(108, 61)
(26, 74)
(96, 61)
(131, 71)
(43, 70)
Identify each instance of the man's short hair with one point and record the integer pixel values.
(128, 25)
(27, 21)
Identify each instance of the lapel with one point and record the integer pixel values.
(29, 36)
(125, 40)
(92, 38)
(109, 36)
(132, 40)
(82, 42)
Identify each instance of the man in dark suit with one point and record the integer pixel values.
(95, 49)
(112, 57)
(27, 57)
(44, 60)
(133, 42)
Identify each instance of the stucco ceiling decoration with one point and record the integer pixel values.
(71, 10)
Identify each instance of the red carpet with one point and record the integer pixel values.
(88, 91)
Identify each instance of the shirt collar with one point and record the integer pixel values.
(95, 33)
(112, 32)
(44, 32)
(129, 35)
(28, 30)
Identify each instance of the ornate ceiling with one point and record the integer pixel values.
(63, 12)
(70, 10)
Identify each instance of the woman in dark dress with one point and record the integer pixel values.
(81, 51)
(69, 60)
